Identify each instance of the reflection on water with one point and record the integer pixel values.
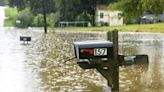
(151, 80)
(41, 67)
(56, 74)
(15, 75)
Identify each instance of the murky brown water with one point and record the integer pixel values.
(41, 67)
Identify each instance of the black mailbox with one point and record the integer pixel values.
(25, 38)
(93, 49)
(88, 52)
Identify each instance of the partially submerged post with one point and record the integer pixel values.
(111, 72)
(25, 39)
(103, 56)
(115, 63)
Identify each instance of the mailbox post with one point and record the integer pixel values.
(111, 72)
(103, 56)
(115, 63)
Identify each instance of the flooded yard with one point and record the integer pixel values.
(40, 65)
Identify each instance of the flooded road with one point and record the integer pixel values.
(2, 16)
(40, 66)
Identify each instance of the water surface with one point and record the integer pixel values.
(40, 66)
(2, 16)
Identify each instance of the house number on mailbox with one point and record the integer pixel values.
(100, 51)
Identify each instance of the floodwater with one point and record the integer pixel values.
(40, 65)
(2, 16)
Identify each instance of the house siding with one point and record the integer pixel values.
(110, 18)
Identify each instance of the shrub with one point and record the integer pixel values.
(38, 21)
(11, 14)
(25, 17)
(84, 16)
(52, 19)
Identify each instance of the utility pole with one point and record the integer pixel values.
(44, 16)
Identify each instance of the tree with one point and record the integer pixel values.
(3, 2)
(156, 6)
(20, 4)
(132, 9)
(36, 6)
(64, 10)
(25, 17)
(86, 9)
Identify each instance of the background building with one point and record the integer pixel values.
(104, 17)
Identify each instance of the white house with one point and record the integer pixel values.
(104, 17)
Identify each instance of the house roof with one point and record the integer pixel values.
(101, 7)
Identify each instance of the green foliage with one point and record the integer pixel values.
(52, 19)
(132, 9)
(3, 2)
(9, 23)
(60, 10)
(25, 17)
(11, 14)
(37, 6)
(68, 9)
(20, 4)
(38, 20)
(156, 6)
(84, 16)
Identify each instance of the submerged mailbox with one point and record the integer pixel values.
(25, 38)
(93, 49)
(88, 51)
(103, 56)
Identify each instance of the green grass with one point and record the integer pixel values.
(159, 27)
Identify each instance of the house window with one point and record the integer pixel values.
(119, 16)
(101, 15)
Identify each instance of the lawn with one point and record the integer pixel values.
(159, 27)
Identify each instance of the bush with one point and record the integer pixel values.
(25, 18)
(84, 16)
(11, 14)
(52, 19)
(38, 21)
